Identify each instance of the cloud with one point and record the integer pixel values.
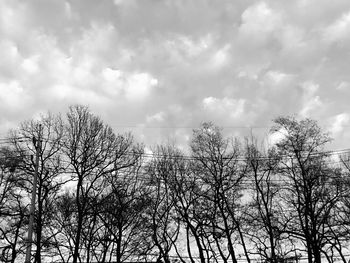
(139, 85)
(259, 23)
(311, 101)
(157, 118)
(74, 94)
(12, 95)
(176, 63)
(95, 40)
(343, 86)
(339, 30)
(134, 86)
(225, 106)
(220, 58)
(278, 78)
(338, 123)
(30, 65)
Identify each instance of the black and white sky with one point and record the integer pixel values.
(146, 64)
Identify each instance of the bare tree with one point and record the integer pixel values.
(63, 227)
(310, 193)
(49, 130)
(184, 188)
(339, 222)
(218, 166)
(164, 226)
(265, 215)
(93, 151)
(122, 210)
(13, 211)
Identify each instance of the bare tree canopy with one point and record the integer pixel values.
(101, 197)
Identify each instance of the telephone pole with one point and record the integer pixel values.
(37, 145)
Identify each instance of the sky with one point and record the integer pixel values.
(158, 68)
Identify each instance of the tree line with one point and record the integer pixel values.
(101, 198)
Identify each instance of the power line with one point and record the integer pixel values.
(185, 127)
(237, 158)
(143, 126)
(191, 157)
(233, 157)
(14, 139)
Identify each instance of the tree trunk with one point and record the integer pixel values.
(77, 239)
(188, 243)
(39, 226)
(198, 243)
(79, 224)
(317, 253)
(13, 247)
(119, 243)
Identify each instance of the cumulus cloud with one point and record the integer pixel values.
(138, 86)
(225, 106)
(338, 123)
(343, 86)
(157, 118)
(176, 63)
(339, 30)
(259, 22)
(133, 86)
(12, 95)
(30, 65)
(311, 101)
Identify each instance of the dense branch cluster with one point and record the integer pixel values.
(101, 198)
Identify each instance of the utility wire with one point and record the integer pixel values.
(143, 126)
(233, 156)
(224, 156)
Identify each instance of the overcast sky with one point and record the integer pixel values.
(146, 64)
